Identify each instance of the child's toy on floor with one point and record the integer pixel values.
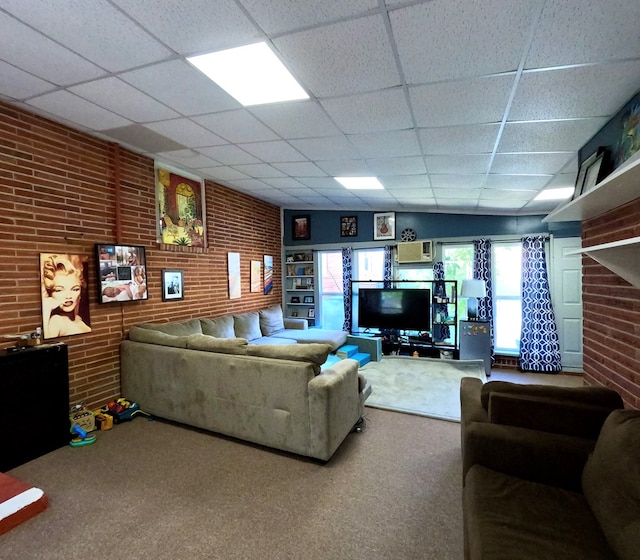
(123, 410)
(81, 437)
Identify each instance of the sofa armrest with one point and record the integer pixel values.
(334, 407)
(548, 415)
(297, 323)
(548, 458)
(471, 409)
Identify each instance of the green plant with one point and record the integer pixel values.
(184, 240)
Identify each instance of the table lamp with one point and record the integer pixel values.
(473, 289)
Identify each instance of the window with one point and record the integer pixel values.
(458, 265)
(331, 304)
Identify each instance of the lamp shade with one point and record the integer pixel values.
(473, 288)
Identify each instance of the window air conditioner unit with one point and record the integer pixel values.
(415, 252)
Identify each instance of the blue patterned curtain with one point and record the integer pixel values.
(482, 271)
(440, 332)
(347, 275)
(539, 343)
(387, 274)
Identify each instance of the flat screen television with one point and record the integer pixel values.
(121, 272)
(394, 308)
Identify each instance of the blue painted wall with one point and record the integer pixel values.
(325, 226)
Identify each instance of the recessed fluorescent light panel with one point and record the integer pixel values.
(360, 183)
(252, 74)
(555, 194)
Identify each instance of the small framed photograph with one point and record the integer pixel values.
(384, 225)
(308, 299)
(294, 313)
(301, 227)
(582, 173)
(295, 299)
(311, 313)
(348, 226)
(594, 173)
(172, 285)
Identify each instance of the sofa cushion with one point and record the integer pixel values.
(215, 344)
(509, 517)
(271, 320)
(247, 325)
(221, 327)
(312, 353)
(152, 336)
(178, 328)
(587, 395)
(321, 336)
(611, 482)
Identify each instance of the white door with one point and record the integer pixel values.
(566, 296)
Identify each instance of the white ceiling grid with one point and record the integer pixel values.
(456, 105)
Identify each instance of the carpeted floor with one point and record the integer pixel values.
(155, 490)
(423, 386)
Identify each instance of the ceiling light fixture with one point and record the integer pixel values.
(360, 183)
(555, 194)
(252, 74)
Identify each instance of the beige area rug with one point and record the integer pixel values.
(423, 386)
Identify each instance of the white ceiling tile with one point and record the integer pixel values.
(324, 184)
(497, 194)
(397, 166)
(548, 136)
(190, 158)
(459, 193)
(504, 203)
(389, 144)
(336, 59)
(345, 168)
(472, 139)
(17, 84)
(186, 132)
(562, 180)
(577, 31)
(406, 182)
(194, 27)
(75, 109)
(274, 151)
(480, 100)
(449, 45)
(224, 173)
(259, 170)
(530, 163)
(228, 154)
(337, 147)
(457, 204)
(370, 112)
(181, 86)
(123, 99)
(236, 126)
(457, 181)
(25, 48)
(300, 119)
(252, 185)
(516, 182)
(278, 17)
(301, 169)
(99, 31)
(458, 163)
(285, 183)
(587, 91)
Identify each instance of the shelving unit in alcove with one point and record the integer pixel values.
(299, 290)
(622, 186)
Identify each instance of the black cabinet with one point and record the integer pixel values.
(34, 413)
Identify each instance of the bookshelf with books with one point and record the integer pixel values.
(299, 286)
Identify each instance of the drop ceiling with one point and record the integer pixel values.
(469, 106)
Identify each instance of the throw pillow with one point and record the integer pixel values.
(222, 327)
(271, 321)
(182, 328)
(611, 482)
(247, 325)
(213, 344)
(600, 396)
(151, 336)
(312, 353)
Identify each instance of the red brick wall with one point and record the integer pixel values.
(611, 309)
(59, 195)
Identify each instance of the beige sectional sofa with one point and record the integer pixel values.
(264, 387)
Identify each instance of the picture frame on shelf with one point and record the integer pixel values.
(348, 226)
(311, 314)
(595, 173)
(172, 285)
(307, 299)
(294, 313)
(301, 227)
(295, 299)
(582, 172)
(384, 225)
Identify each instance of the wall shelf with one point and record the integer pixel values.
(622, 186)
(620, 257)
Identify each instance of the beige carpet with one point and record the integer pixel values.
(423, 386)
(157, 491)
